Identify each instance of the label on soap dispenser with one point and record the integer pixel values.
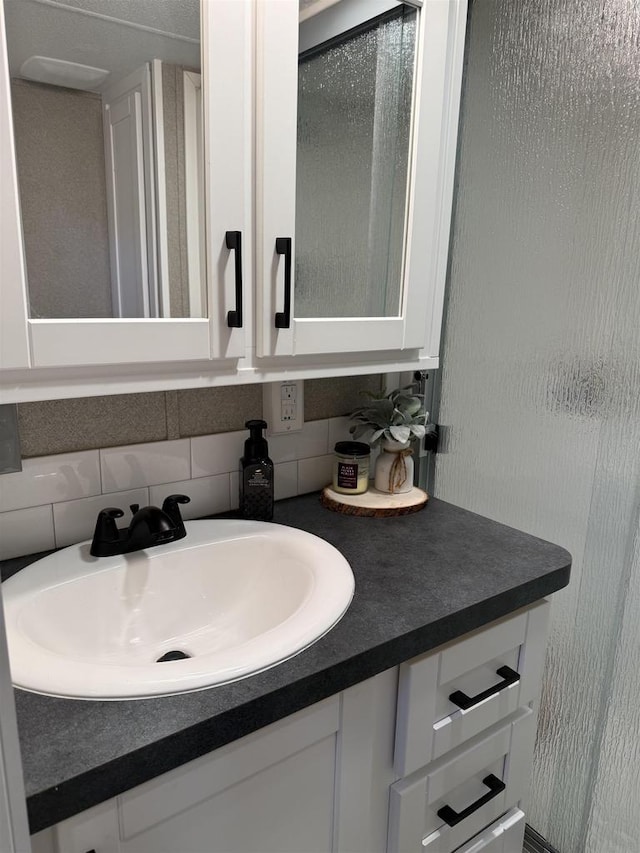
(257, 478)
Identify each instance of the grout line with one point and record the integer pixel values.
(326, 434)
(100, 471)
(55, 528)
(172, 415)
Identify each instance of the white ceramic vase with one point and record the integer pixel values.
(394, 468)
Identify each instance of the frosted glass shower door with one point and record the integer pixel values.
(351, 143)
(541, 372)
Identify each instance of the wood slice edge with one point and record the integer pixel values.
(416, 500)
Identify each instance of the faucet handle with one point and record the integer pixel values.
(106, 531)
(108, 516)
(171, 508)
(179, 499)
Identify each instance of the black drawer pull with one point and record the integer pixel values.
(509, 676)
(452, 818)
(283, 318)
(234, 243)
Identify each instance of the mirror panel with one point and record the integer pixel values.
(355, 91)
(109, 166)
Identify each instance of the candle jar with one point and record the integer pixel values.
(351, 467)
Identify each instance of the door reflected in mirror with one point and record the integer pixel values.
(108, 132)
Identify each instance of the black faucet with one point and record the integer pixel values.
(149, 526)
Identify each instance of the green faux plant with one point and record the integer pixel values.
(397, 416)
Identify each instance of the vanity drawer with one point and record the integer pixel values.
(451, 695)
(504, 836)
(457, 797)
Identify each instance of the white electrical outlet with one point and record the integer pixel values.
(283, 406)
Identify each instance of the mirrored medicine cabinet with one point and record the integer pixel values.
(209, 180)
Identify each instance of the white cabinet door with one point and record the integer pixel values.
(357, 117)
(272, 791)
(286, 807)
(64, 340)
(316, 781)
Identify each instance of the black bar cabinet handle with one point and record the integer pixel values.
(234, 243)
(283, 247)
(452, 817)
(509, 676)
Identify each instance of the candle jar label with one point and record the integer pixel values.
(347, 475)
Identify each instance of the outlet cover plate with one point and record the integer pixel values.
(283, 406)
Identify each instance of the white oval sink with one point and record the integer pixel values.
(234, 597)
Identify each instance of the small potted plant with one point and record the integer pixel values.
(393, 420)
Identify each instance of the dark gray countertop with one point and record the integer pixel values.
(421, 580)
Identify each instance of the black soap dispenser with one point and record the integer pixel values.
(256, 475)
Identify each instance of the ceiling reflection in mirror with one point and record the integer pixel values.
(107, 122)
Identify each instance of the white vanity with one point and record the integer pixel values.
(368, 769)
(421, 702)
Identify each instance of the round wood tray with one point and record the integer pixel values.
(374, 503)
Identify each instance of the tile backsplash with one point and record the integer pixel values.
(63, 426)
(54, 500)
(82, 455)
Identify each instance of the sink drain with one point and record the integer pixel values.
(174, 654)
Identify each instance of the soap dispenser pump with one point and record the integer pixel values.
(256, 475)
